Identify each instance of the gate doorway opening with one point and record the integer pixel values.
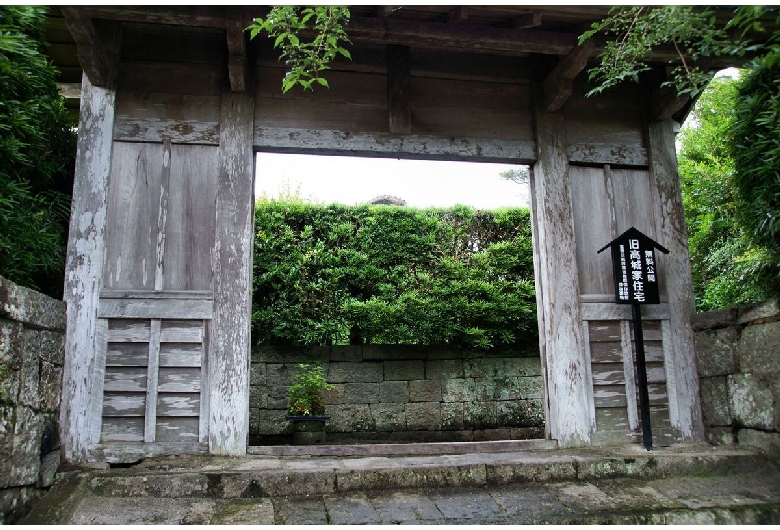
(401, 374)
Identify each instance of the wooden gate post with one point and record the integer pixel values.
(82, 396)
(230, 337)
(566, 371)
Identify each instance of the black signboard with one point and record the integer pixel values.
(634, 268)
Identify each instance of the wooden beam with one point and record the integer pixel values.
(527, 21)
(383, 145)
(476, 39)
(399, 106)
(92, 53)
(228, 365)
(459, 15)
(386, 11)
(557, 86)
(665, 103)
(600, 154)
(235, 23)
(83, 370)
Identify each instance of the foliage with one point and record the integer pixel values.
(391, 275)
(37, 153)
(305, 60)
(306, 392)
(518, 175)
(694, 32)
(727, 271)
(755, 147)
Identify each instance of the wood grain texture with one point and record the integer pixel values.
(127, 354)
(180, 354)
(128, 330)
(179, 380)
(181, 331)
(178, 405)
(152, 375)
(119, 404)
(154, 308)
(566, 380)
(399, 108)
(613, 154)
(629, 369)
(119, 452)
(684, 404)
(122, 430)
(230, 340)
(177, 430)
(334, 142)
(125, 380)
(83, 270)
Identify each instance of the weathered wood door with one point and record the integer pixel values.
(155, 306)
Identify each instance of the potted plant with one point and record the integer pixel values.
(306, 407)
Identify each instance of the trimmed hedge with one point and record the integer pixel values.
(392, 275)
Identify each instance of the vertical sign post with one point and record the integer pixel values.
(636, 283)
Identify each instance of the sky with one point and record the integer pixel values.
(355, 180)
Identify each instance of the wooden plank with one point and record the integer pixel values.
(125, 380)
(613, 311)
(134, 193)
(230, 344)
(655, 373)
(657, 395)
(589, 372)
(177, 430)
(124, 404)
(651, 330)
(557, 86)
(478, 123)
(92, 54)
(635, 203)
(604, 331)
(467, 94)
(128, 453)
(236, 43)
(83, 267)
(152, 376)
(185, 108)
(126, 330)
(179, 380)
(608, 374)
(181, 354)
(629, 371)
(315, 114)
(98, 383)
(122, 430)
(178, 405)
(334, 142)
(162, 214)
(205, 387)
(618, 155)
(127, 354)
(609, 396)
(166, 294)
(182, 331)
(606, 352)
(399, 107)
(155, 308)
(171, 78)
(612, 419)
(567, 384)
(191, 219)
(156, 130)
(355, 88)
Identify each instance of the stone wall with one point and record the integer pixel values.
(738, 355)
(32, 346)
(405, 393)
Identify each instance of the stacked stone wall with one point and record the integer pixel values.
(738, 356)
(32, 347)
(386, 393)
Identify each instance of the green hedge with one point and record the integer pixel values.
(392, 275)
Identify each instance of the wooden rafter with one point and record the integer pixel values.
(527, 21)
(91, 53)
(557, 85)
(666, 103)
(399, 106)
(235, 23)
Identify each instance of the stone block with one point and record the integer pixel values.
(761, 312)
(425, 390)
(281, 375)
(48, 469)
(452, 416)
(394, 352)
(721, 318)
(277, 397)
(271, 421)
(479, 415)
(751, 401)
(404, 370)
(346, 354)
(492, 435)
(758, 349)
(456, 390)
(714, 395)
(716, 351)
(26, 451)
(423, 416)
(350, 418)
(29, 392)
(502, 367)
(389, 417)
(335, 396)
(30, 307)
(50, 386)
(258, 374)
(719, 435)
(444, 369)
(52, 347)
(393, 392)
(10, 344)
(254, 421)
(258, 397)
(9, 384)
(363, 372)
(358, 393)
(768, 442)
(522, 413)
(511, 388)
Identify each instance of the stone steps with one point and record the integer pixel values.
(586, 485)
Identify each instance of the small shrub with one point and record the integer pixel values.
(306, 392)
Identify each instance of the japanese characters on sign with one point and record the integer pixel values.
(634, 268)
